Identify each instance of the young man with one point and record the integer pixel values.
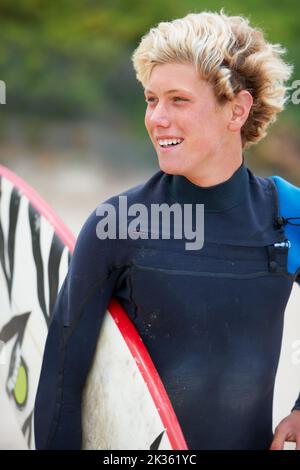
(213, 85)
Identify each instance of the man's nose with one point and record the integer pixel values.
(159, 116)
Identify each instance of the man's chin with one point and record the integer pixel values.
(170, 169)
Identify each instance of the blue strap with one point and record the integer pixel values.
(289, 208)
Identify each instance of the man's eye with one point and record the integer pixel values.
(176, 98)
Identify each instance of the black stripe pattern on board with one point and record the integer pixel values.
(55, 255)
(9, 248)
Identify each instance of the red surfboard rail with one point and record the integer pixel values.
(150, 376)
(41, 206)
(125, 326)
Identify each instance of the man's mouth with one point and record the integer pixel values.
(167, 143)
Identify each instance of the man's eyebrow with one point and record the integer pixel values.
(168, 92)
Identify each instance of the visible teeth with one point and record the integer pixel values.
(166, 142)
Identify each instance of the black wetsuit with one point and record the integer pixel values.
(211, 319)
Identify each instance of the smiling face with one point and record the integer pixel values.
(183, 109)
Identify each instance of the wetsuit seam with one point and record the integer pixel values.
(211, 211)
(131, 296)
(212, 274)
(221, 257)
(178, 249)
(128, 271)
(59, 391)
(77, 316)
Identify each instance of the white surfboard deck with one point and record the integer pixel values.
(125, 405)
(110, 416)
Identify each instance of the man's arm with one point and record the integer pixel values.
(72, 339)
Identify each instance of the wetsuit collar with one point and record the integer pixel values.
(216, 198)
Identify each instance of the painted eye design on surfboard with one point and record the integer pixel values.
(17, 380)
(17, 383)
(20, 391)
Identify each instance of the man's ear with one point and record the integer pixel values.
(240, 109)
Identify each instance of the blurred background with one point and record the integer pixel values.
(73, 122)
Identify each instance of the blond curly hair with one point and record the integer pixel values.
(228, 53)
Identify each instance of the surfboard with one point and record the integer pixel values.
(35, 251)
(125, 405)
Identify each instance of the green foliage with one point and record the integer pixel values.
(72, 57)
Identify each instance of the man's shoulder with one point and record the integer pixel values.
(148, 191)
(144, 193)
(289, 194)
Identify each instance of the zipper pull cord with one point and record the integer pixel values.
(286, 220)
